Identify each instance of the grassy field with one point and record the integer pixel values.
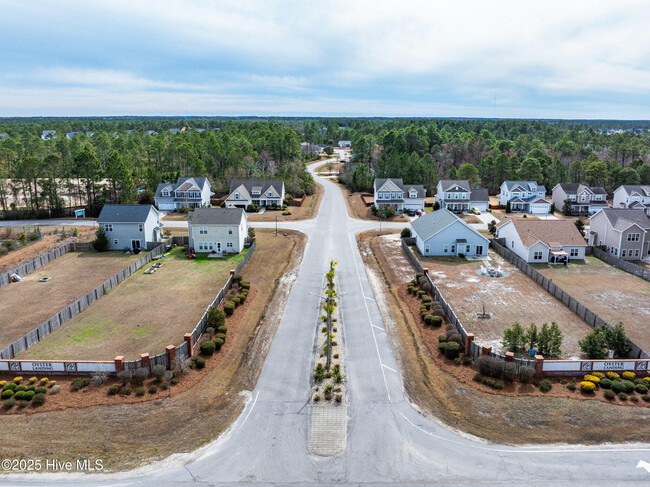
(25, 305)
(143, 314)
(611, 293)
(515, 297)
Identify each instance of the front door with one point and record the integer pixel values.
(135, 244)
(218, 246)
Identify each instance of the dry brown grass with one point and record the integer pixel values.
(308, 209)
(513, 420)
(25, 305)
(129, 435)
(357, 209)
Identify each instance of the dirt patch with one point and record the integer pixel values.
(329, 167)
(508, 299)
(126, 436)
(308, 209)
(612, 294)
(470, 218)
(474, 408)
(25, 305)
(357, 208)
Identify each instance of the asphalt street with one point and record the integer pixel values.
(389, 442)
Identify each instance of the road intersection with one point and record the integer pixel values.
(389, 441)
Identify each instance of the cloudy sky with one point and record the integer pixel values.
(543, 59)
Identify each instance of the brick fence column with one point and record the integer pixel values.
(146, 363)
(486, 349)
(539, 366)
(188, 338)
(119, 363)
(510, 356)
(232, 272)
(425, 270)
(469, 338)
(170, 350)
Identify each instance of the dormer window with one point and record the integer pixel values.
(413, 194)
(236, 196)
(165, 193)
(269, 194)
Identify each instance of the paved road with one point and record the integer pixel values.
(389, 442)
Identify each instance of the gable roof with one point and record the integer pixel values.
(445, 184)
(215, 216)
(399, 184)
(265, 184)
(183, 184)
(642, 189)
(552, 233)
(433, 223)
(125, 213)
(479, 194)
(525, 185)
(574, 188)
(622, 218)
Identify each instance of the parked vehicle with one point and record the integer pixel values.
(476, 211)
(410, 212)
(419, 212)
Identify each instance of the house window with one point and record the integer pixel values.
(236, 196)
(426, 249)
(636, 252)
(512, 244)
(623, 252)
(537, 256)
(210, 245)
(140, 227)
(116, 241)
(446, 248)
(229, 230)
(468, 248)
(108, 227)
(203, 230)
(413, 194)
(269, 194)
(165, 193)
(633, 237)
(448, 196)
(574, 252)
(229, 245)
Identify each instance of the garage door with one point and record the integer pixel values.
(537, 209)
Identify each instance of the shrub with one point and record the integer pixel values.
(11, 386)
(222, 336)
(510, 371)
(22, 404)
(628, 386)
(454, 337)
(494, 384)
(442, 338)
(198, 362)
(20, 388)
(605, 383)
(442, 346)
(29, 395)
(237, 278)
(647, 379)
(246, 285)
(207, 348)
(79, 383)
(222, 329)
(646, 398)
(140, 375)
(236, 300)
(242, 297)
(44, 381)
(139, 391)
(229, 308)
(153, 388)
(39, 399)
(546, 385)
(609, 395)
(158, 371)
(436, 321)
(316, 398)
(586, 386)
(218, 343)
(600, 375)
(452, 350)
(426, 299)
(18, 380)
(100, 244)
(31, 388)
(628, 375)
(634, 398)
(114, 389)
(9, 403)
(6, 394)
(32, 380)
(216, 318)
(406, 232)
(125, 376)
(591, 378)
(641, 389)
(52, 383)
(3, 383)
(55, 390)
(613, 375)
(19, 394)
(572, 386)
(100, 377)
(41, 390)
(622, 396)
(428, 319)
(640, 381)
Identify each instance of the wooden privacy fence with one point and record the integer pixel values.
(37, 334)
(591, 318)
(184, 350)
(622, 264)
(471, 348)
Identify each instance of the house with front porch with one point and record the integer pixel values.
(185, 193)
(217, 230)
(584, 200)
(524, 196)
(457, 196)
(632, 196)
(622, 232)
(543, 241)
(262, 192)
(133, 227)
(442, 233)
(392, 191)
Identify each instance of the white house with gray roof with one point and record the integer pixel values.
(392, 191)
(524, 196)
(185, 193)
(583, 198)
(457, 196)
(217, 230)
(262, 192)
(623, 232)
(632, 196)
(442, 233)
(131, 226)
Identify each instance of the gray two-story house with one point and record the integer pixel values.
(185, 193)
(132, 227)
(217, 230)
(584, 199)
(624, 233)
(524, 196)
(457, 196)
(393, 192)
(262, 192)
(632, 196)
(443, 233)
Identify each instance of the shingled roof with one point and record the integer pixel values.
(215, 216)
